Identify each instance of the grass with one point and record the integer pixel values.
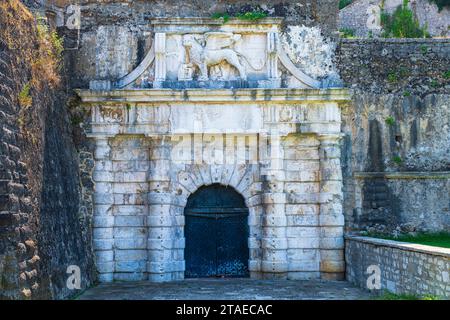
(439, 239)
(25, 99)
(221, 15)
(252, 16)
(387, 295)
(347, 33)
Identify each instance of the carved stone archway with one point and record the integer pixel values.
(277, 146)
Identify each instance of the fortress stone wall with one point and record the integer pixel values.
(372, 156)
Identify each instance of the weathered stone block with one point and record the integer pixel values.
(130, 243)
(105, 267)
(103, 244)
(302, 232)
(160, 244)
(103, 233)
(130, 255)
(307, 220)
(103, 221)
(303, 265)
(104, 256)
(274, 266)
(302, 209)
(303, 243)
(129, 221)
(274, 243)
(130, 210)
(130, 276)
(331, 220)
(129, 232)
(130, 266)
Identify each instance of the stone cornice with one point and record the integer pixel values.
(211, 21)
(213, 95)
(403, 175)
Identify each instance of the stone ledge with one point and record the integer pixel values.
(396, 40)
(213, 95)
(436, 251)
(402, 175)
(211, 21)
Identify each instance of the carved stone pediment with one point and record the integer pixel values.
(207, 53)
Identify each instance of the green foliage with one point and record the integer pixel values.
(58, 43)
(347, 33)
(441, 4)
(403, 72)
(392, 77)
(436, 239)
(25, 99)
(76, 120)
(434, 83)
(51, 49)
(402, 23)
(249, 16)
(423, 49)
(344, 3)
(387, 295)
(406, 93)
(390, 121)
(221, 15)
(447, 74)
(397, 160)
(429, 297)
(252, 15)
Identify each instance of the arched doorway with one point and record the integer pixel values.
(216, 233)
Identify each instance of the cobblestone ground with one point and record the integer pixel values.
(227, 289)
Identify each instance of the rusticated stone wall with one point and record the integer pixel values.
(44, 223)
(142, 183)
(395, 151)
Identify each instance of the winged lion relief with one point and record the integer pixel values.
(210, 51)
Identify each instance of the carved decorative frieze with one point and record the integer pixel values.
(205, 53)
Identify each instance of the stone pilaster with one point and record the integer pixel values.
(274, 241)
(130, 165)
(103, 224)
(165, 228)
(331, 218)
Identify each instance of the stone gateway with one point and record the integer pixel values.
(216, 173)
(216, 232)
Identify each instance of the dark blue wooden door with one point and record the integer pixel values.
(216, 233)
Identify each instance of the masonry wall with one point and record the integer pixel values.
(397, 134)
(115, 36)
(43, 224)
(405, 268)
(356, 16)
